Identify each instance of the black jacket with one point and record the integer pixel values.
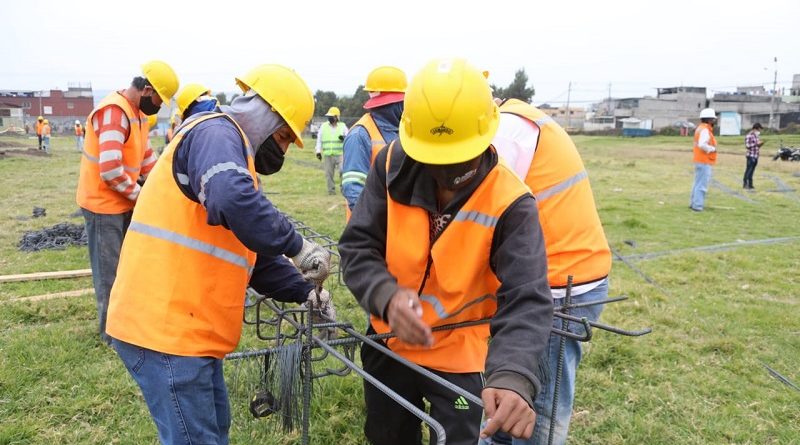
(521, 326)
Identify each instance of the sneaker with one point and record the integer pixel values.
(694, 209)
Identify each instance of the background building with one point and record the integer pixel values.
(60, 107)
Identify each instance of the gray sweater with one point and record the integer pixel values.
(520, 327)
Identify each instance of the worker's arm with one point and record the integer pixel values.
(355, 166)
(703, 141)
(277, 278)
(318, 147)
(149, 161)
(112, 128)
(520, 328)
(215, 160)
(363, 245)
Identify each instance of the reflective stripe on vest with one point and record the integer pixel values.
(375, 135)
(180, 283)
(453, 276)
(93, 193)
(331, 144)
(700, 156)
(574, 239)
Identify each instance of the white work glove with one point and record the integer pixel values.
(712, 149)
(322, 311)
(313, 261)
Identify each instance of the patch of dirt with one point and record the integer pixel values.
(22, 152)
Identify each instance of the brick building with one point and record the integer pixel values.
(60, 107)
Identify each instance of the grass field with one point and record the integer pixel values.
(717, 316)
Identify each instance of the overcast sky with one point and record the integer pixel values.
(635, 46)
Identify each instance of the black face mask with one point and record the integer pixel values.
(453, 176)
(147, 106)
(332, 120)
(269, 157)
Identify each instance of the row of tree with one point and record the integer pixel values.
(352, 106)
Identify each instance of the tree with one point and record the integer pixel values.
(517, 89)
(221, 99)
(324, 100)
(353, 107)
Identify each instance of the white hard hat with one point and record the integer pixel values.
(707, 113)
(77, 122)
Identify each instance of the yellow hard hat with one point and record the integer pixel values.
(285, 91)
(152, 121)
(386, 79)
(39, 118)
(46, 121)
(449, 114)
(333, 111)
(189, 94)
(162, 77)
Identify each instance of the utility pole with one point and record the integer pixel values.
(772, 102)
(608, 107)
(569, 115)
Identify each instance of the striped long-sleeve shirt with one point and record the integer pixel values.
(113, 128)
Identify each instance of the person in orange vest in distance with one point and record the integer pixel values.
(705, 156)
(543, 155)
(116, 157)
(386, 86)
(46, 131)
(39, 125)
(202, 231)
(79, 135)
(446, 233)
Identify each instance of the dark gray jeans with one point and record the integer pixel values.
(105, 234)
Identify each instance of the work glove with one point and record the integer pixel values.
(341, 137)
(313, 262)
(322, 311)
(712, 150)
(319, 156)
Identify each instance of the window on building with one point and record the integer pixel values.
(70, 105)
(26, 105)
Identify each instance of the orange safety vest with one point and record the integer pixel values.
(93, 193)
(573, 234)
(378, 142)
(700, 156)
(459, 285)
(39, 126)
(46, 130)
(78, 130)
(180, 283)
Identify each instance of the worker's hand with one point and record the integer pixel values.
(322, 311)
(319, 156)
(712, 150)
(313, 261)
(508, 411)
(404, 314)
(341, 137)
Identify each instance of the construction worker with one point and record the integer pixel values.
(543, 155)
(116, 156)
(46, 131)
(705, 156)
(329, 146)
(79, 135)
(194, 98)
(39, 125)
(445, 233)
(386, 86)
(201, 232)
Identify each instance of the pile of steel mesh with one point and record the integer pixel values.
(57, 237)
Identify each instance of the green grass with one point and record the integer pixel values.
(697, 379)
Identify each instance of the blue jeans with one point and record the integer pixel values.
(186, 396)
(702, 176)
(543, 404)
(104, 234)
(79, 142)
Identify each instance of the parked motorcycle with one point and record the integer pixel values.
(787, 154)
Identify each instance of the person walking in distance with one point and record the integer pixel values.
(753, 144)
(705, 156)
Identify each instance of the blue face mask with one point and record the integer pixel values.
(201, 106)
